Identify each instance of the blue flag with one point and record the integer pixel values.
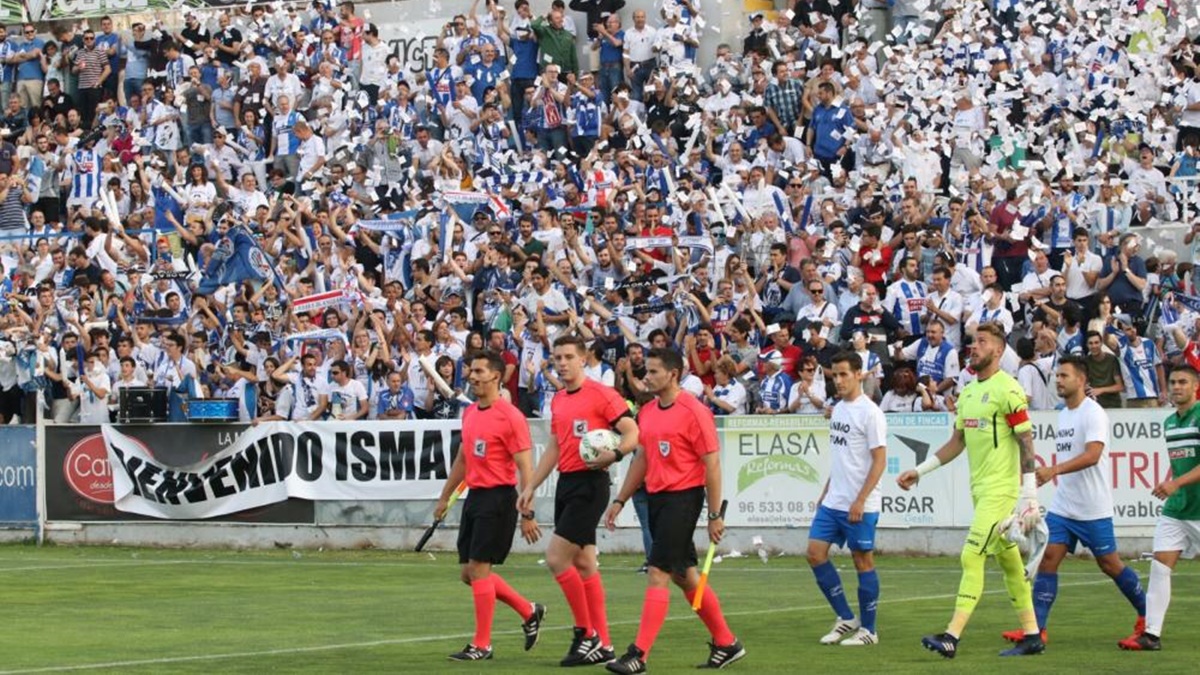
(236, 259)
(1188, 301)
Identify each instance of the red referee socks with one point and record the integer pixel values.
(484, 591)
(596, 610)
(572, 587)
(654, 613)
(710, 614)
(506, 594)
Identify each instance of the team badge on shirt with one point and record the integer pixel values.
(480, 447)
(664, 448)
(259, 263)
(579, 428)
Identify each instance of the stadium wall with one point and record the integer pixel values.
(773, 472)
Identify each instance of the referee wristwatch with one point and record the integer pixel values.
(715, 515)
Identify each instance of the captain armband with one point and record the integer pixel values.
(1017, 419)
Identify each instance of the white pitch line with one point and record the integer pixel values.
(316, 561)
(453, 636)
(90, 565)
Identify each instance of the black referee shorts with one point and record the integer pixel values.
(489, 522)
(579, 502)
(673, 517)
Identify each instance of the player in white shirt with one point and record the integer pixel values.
(1082, 508)
(850, 503)
(345, 398)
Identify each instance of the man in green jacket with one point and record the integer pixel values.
(555, 44)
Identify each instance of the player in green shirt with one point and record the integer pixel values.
(993, 427)
(1178, 528)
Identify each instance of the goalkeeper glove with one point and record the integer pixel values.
(1028, 510)
(1032, 543)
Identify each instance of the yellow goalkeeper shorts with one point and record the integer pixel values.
(984, 537)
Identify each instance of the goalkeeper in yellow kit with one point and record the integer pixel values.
(993, 427)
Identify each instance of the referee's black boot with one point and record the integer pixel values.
(720, 657)
(532, 627)
(472, 653)
(583, 646)
(631, 662)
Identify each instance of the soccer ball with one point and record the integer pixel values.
(596, 441)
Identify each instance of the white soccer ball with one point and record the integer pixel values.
(597, 441)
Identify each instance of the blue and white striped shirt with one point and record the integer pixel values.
(85, 181)
(587, 115)
(774, 391)
(286, 141)
(1138, 368)
(908, 304)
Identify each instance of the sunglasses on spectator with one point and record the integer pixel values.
(816, 290)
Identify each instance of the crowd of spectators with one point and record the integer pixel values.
(882, 176)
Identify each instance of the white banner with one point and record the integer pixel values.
(318, 301)
(277, 460)
(773, 468)
(701, 242)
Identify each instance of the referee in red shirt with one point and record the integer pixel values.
(680, 463)
(582, 405)
(495, 446)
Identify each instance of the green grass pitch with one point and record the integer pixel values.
(205, 611)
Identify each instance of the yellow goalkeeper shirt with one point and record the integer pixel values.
(991, 413)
